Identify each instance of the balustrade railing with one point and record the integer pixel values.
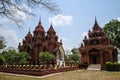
(37, 70)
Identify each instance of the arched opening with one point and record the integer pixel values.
(94, 56)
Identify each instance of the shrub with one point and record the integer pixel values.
(109, 66)
(2, 60)
(46, 57)
(112, 66)
(74, 57)
(116, 66)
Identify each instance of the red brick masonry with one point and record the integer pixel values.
(36, 71)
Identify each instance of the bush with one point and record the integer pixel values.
(2, 60)
(13, 57)
(74, 57)
(46, 57)
(112, 66)
(109, 66)
(116, 66)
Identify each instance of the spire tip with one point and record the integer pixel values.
(40, 20)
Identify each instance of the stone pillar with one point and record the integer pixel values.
(110, 54)
(82, 58)
(101, 58)
(88, 57)
(35, 55)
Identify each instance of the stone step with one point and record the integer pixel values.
(94, 67)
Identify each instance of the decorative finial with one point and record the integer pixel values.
(95, 19)
(40, 20)
(85, 37)
(89, 31)
(51, 22)
(29, 29)
(61, 40)
(19, 43)
(81, 44)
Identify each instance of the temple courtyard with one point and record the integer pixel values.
(69, 75)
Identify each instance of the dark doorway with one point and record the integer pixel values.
(94, 59)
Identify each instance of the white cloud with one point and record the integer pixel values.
(118, 19)
(3, 20)
(64, 39)
(65, 42)
(61, 20)
(10, 36)
(84, 34)
(20, 14)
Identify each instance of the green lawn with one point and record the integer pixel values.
(70, 75)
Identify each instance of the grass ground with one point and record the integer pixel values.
(70, 75)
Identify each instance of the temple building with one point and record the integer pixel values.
(97, 48)
(42, 41)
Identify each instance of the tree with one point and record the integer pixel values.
(2, 60)
(75, 51)
(24, 57)
(2, 42)
(9, 56)
(11, 9)
(74, 58)
(13, 57)
(46, 56)
(112, 30)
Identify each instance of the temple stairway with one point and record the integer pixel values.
(94, 67)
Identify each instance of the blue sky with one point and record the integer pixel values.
(74, 21)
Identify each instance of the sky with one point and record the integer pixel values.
(71, 25)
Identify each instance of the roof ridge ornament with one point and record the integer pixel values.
(40, 20)
(29, 29)
(96, 21)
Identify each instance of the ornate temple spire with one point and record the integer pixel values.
(96, 26)
(51, 29)
(39, 27)
(96, 23)
(29, 33)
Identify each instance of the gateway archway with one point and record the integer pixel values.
(94, 56)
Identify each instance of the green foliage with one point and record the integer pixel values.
(24, 57)
(10, 56)
(109, 66)
(2, 42)
(74, 57)
(112, 30)
(112, 66)
(75, 51)
(109, 63)
(72, 61)
(2, 60)
(46, 56)
(116, 66)
(13, 57)
(5, 54)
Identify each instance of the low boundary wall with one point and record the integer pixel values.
(36, 71)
